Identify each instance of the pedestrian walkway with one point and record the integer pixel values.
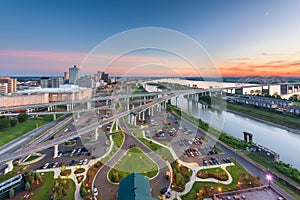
(72, 176)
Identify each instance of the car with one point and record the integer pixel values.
(164, 190)
(55, 165)
(73, 151)
(59, 154)
(46, 165)
(168, 194)
(85, 161)
(80, 162)
(95, 192)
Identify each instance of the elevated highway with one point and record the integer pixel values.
(82, 131)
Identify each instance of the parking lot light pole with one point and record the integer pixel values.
(269, 179)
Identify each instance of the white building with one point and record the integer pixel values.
(73, 74)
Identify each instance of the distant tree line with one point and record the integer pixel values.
(6, 122)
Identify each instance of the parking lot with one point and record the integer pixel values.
(189, 144)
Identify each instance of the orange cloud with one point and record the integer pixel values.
(273, 68)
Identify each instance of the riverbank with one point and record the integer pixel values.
(293, 130)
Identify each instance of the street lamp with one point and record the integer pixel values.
(269, 179)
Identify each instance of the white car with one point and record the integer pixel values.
(55, 165)
(95, 192)
(46, 165)
(85, 161)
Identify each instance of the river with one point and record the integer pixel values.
(284, 142)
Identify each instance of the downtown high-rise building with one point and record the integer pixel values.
(11, 83)
(73, 74)
(53, 82)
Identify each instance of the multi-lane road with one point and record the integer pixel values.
(82, 131)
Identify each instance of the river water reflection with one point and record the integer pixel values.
(281, 141)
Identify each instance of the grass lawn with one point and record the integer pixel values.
(288, 190)
(118, 140)
(134, 160)
(277, 118)
(31, 158)
(17, 170)
(296, 103)
(235, 172)
(43, 191)
(268, 164)
(139, 90)
(219, 151)
(217, 173)
(161, 151)
(20, 129)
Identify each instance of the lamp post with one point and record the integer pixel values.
(269, 179)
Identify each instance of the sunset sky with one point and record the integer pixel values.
(240, 37)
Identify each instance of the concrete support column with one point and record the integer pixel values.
(72, 106)
(152, 111)
(68, 107)
(106, 102)
(54, 116)
(49, 108)
(176, 101)
(149, 111)
(128, 108)
(129, 119)
(139, 116)
(117, 124)
(134, 122)
(143, 115)
(88, 105)
(10, 166)
(96, 134)
(55, 151)
(78, 115)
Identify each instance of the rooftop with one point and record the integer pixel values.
(135, 187)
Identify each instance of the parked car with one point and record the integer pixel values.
(85, 161)
(55, 165)
(46, 165)
(168, 194)
(164, 190)
(95, 192)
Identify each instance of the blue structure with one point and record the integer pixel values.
(135, 187)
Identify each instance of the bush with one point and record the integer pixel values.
(83, 192)
(27, 186)
(13, 122)
(22, 117)
(4, 123)
(11, 193)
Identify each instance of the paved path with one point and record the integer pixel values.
(72, 176)
(109, 190)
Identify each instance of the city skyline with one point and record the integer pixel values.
(241, 37)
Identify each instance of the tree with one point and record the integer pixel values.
(13, 122)
(83, 192)
(27, 186)
(11, 193)
(4, 123)
(22, 117)
(178, 178)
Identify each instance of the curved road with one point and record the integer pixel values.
(109, 190)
